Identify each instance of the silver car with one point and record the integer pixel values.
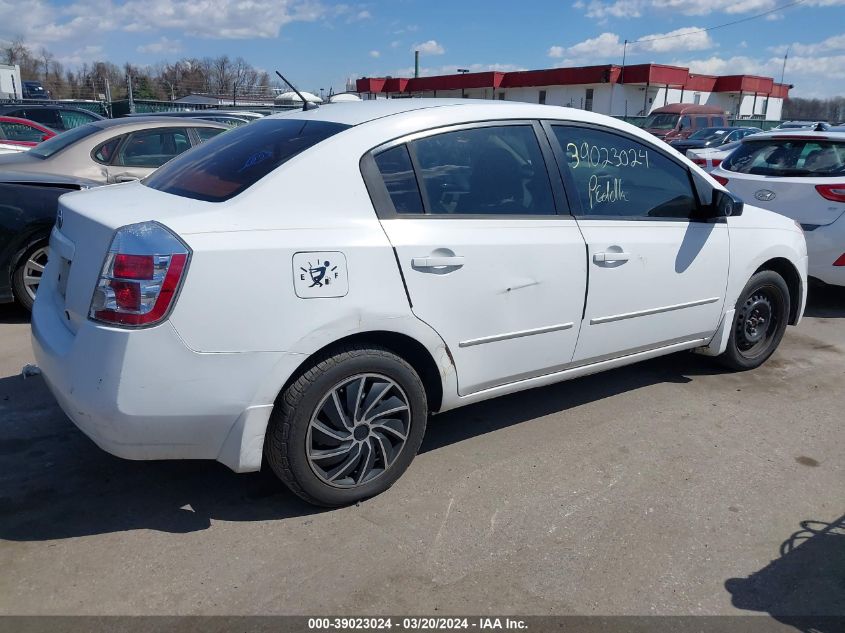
(116, 150)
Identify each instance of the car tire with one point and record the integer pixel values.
(762, 313)
(29, 266)
(339, 433)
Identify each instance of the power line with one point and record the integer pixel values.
(718, 26)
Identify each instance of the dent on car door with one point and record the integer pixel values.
(658, 270)
(488, 261)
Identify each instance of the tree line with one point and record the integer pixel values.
(166, 81)
(831, 110)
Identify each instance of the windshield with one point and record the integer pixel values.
(228, 164)
(784, 157)
(661, 121)
(61, 141)
(705, 134)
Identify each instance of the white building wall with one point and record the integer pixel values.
(10, 82)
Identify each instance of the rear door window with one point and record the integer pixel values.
(206, 133)
(397, 172)
(104, 154)
(486, 170)
(44, 116)
(228, 164)
(73, 118)
(786, 157)
(153, 148)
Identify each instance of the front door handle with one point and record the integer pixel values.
(611, 257)
(453, 261)
(125, 178)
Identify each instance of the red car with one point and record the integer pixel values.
(15, 131)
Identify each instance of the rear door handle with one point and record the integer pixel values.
(454, 261)
(611, 257)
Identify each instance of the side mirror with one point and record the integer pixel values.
(725, 204)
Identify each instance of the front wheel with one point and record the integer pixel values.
(761, 316)
(348, 426)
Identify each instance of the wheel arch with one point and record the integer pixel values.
(786, 269)
(406, 347)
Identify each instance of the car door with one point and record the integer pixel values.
(145, 150)
(490, 256)
(657, 273)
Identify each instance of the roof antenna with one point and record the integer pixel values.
(306, 105)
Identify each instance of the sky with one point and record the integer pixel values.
(320, 44)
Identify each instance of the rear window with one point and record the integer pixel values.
(63, 140)
(226, 165)
(784, 157)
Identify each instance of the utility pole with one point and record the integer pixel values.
(783, 69)
(463, 71)
(108, 97)
(131, 99)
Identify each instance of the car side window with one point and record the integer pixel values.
(71, 118)
(493, 170)
(153, 148)
(105, 152)
(617, 177)
(21, 132)
(205, 133)
(44, 116)
(397, 172)
(700, 122)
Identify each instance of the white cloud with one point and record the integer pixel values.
(431, 47)
(162, 45)
(607, 46)
(375, 54)
(395, 44)
(604, 9)
(46, 21)
(834, 43)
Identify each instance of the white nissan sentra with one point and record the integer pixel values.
(305, 290)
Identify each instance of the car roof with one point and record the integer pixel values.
(799, 133)
(153, 121)
(355, 113)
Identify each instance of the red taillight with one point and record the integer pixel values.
(721, 180)
(133, 266)
(138, 289)
(840, 261)
(716, 163)
(700, 161)
(834, 193)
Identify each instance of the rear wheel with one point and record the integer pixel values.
(27, 274)
(761, 316)
(348, 427)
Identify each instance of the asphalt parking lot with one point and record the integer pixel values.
(668, 487)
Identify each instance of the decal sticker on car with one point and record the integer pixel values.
(320, 274)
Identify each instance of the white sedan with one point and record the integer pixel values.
(304, 291)
(708, 158)
(800, 174)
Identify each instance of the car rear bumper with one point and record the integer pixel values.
(825, 245)
(143, 394)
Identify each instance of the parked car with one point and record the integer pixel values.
(33, 90)
(680, 120)
(55, 117)
(228, 119)
(326, 279)
(7, 148)
(708, 158)
(713, 137)
(23, 133)
(87, 156)
(799, 174)
(28, 203)
(114, 150)
(800, 125)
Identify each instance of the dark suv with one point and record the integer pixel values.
(57, 117)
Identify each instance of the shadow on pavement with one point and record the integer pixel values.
(825, 302)
(805, 586)
(13, 313)
(55, 483)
